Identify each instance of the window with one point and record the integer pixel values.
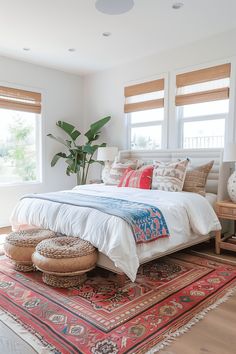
(202, 102)
(19, 136)
(144, 104)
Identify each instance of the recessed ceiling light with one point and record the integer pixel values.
(71, 50)
(114, 7)
(106, 34)
(26, 49)
(177, 5)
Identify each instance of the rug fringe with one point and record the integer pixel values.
(173, 336)
(31, 339)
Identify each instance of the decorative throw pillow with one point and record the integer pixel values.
(117, 170)
(196, 178)
(169, 176)
(141, 178)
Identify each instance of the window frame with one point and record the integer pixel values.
(39, 139)
(163, 123)
(203, 118)
(177, 121)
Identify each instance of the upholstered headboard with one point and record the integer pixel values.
(217, 179)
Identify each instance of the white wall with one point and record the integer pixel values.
(103, 91)
(61, 100)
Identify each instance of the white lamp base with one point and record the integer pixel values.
(106, 171)
(231, 187)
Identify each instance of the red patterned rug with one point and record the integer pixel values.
(169, 296)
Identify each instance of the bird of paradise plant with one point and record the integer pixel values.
(79, 157)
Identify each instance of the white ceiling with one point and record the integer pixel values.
(50, 27)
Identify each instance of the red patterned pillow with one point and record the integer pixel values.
(141, 178)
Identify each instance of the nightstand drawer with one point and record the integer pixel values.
(225, 211)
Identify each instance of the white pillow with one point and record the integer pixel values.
(117, 170)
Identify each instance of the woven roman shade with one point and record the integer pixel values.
(144, 96)
(203, 76)
(20, 100)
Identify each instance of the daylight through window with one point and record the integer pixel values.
(19, 136)
(144, 104)
(202, 102)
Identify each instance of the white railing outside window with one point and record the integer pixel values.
(203, 131)
(203, 142)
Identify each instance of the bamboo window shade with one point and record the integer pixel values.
(142, 89)
(202, 76)
(20, 100)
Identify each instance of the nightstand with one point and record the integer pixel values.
(225, 210)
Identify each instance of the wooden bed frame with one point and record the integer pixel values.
(216, 184)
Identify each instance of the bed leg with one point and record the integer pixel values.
(121, 279)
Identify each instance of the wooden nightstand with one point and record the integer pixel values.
(225, 210)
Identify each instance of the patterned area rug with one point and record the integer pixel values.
(168, 297)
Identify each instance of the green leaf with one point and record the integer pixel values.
(89, 149)
(94, 130)
(69, 142)
(58, 139)
(57, 157)
(102, 145)
(68, 171)
(73, 152)
(69, 129)
(70, 162)
(96, 136)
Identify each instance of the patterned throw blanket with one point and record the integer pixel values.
(147, 222)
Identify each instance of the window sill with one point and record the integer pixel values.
(20, 184)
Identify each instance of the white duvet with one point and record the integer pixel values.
(187, 215)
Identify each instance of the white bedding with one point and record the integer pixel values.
(188, 215)
(211, 198)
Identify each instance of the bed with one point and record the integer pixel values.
(189, 216)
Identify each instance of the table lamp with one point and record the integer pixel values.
(230, 156)
(107, 154)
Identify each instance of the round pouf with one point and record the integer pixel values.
(19, 247)
(64, 261)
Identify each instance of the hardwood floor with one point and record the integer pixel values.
(215, 334)
(10, 343)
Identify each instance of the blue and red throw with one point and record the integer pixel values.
(146, 221)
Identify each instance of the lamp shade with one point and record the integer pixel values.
(107, 153)
(230, 152)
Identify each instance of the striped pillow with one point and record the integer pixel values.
(141, 178)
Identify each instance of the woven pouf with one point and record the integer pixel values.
(19, 247)
(64, 261)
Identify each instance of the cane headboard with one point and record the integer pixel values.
(217, 179)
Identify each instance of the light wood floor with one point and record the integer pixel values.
(215, 334)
